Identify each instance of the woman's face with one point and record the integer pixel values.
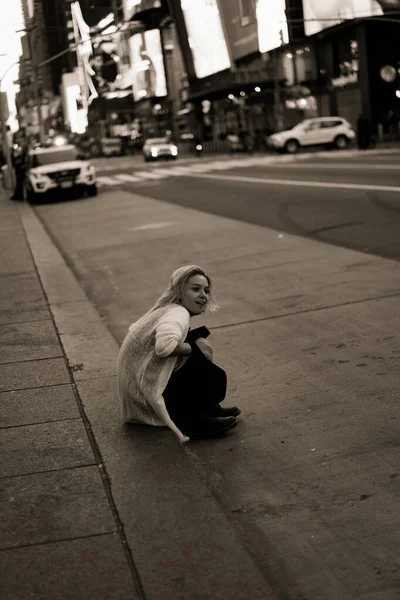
(195, 294)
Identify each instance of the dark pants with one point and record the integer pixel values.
(194, 388)
(19, 184)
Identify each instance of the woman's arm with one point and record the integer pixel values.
(181, 349)
(170, 332)
(205, 347)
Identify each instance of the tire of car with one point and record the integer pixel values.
(291, 146)
(92, 190)
(341, 142)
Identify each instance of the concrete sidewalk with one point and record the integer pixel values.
(60, 535)
(300, 502)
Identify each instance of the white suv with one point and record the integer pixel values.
(321, 131)
(57, 168)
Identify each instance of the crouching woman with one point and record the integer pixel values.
(165, 372)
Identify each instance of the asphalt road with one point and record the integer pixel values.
(349, 201)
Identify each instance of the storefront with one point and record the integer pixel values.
(334, 69)
(357, 58)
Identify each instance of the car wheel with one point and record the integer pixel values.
(341, 142)
(292, 146)
(92, 190)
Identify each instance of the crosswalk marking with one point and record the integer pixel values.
(198, 168)
(161, 172)
(127, 177)
(148, 175)
(105, 180)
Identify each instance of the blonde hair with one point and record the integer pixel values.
(179, 278)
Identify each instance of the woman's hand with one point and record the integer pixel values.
(205, 347)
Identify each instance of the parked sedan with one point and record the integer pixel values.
(155, 148)
(321, 131)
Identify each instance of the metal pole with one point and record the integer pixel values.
(277, 94)
(36, 93)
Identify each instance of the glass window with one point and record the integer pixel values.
(333, 123)
(314, 126)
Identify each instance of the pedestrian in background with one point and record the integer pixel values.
(19, 158)
(363, 133)
(166, 375)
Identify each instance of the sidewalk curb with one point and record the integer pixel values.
(52, 271)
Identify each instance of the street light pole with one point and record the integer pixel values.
(35, 68)
(36, 92)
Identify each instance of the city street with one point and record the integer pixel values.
(351, 198)
(260, 141)
(300, 501)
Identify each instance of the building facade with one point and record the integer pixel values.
(255, 66)
(211, 69)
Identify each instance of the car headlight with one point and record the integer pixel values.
(154, 151)
(174, 150)
(38, 177)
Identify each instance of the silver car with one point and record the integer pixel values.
(155, 148)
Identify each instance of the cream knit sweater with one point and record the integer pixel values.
(145, 365)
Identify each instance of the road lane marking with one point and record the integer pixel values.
(126, 177)
(340, 166)
(298, 183)
(147, 226)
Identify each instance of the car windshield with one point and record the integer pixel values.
(54, 156)
(158, 141)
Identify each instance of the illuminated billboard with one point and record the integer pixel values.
(147, 65)
(272, 24)
(320, 14)
(206, 36)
